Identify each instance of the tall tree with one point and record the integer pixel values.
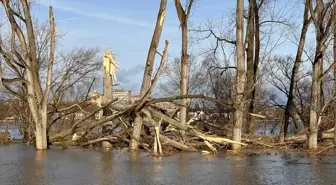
(296, 68)
(334, 50)
(250, 32)
(147, 77)
(23, 60)
(240, 75)
(183, 16)
(322, 20)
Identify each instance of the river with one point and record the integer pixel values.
(22, 164)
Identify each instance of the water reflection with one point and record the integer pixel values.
(238, 170)
(34, 171)
(157, 164)
(21, 164)
(157, 170)
(184, 163)
(106, 174)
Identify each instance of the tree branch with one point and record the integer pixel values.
(214, 35)
(156, 77)
(201, 96)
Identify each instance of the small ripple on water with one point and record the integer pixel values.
(21, 164)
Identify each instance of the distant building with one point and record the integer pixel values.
(167, 105)
(121, 94)
(127, 97)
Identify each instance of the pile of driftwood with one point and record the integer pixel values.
(161, 130)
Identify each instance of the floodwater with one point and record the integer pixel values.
(22, 164)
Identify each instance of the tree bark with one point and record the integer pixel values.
(108, 95)
(256, 61)
(295, 72)
(107, 87)
(240, 75)
(183, 16)
(315, 98)
(334, 50)
(146, 81)
(184, 73)
(250, 67)
(322, 23)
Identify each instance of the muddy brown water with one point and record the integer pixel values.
(21, 164)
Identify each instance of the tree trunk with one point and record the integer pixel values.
(108, 87)
(281, 135)
(250, 67)
(315, 98)
(137, 127)
(298, 121)
(296, 68)
(334, 50)
(184, 73)
(146, 81)
(183, 16)
(256, 61)
(322, 24)
(108, 95)
(41, 132)
(240, 75)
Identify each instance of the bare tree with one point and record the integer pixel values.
(240, 75)
(147, 78)
(183, 16)
(296, 68)
(334, 52)
(74, 68)
(279, 74)
(321, 16)
(171, 86)
(250, 33)
(23, 57)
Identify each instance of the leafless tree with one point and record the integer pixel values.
(334, 52)
(296, 67)
(322, 20)
(183, 16)
(147, 78)
(240, 75)
(74, 69)
(172, 73)
(22, 58)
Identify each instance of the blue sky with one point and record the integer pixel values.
(125, 27)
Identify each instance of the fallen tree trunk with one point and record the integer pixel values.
(190, 130)
(108, 138)
(325, 149)
(296, 138)
(84, 127)
(257, 142)
(166, 140)
(328, 135)
(330, 130)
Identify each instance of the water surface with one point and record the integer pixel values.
(21, 164)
